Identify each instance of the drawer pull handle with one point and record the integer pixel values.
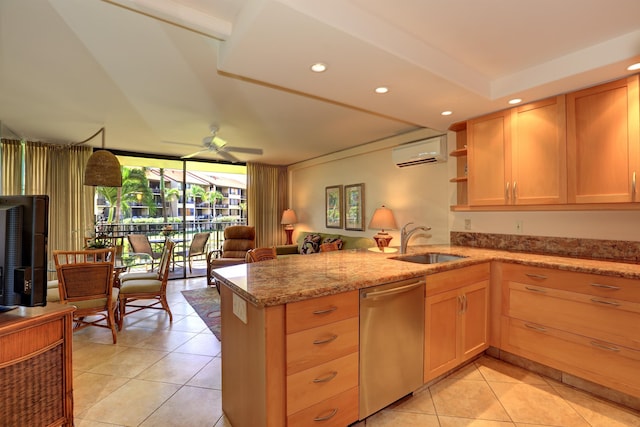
(605, 347)
(326, 310)
(529, 288)
(326, 379)
(327, 417)
(536, 276)
(535, 327)
(326, 340)
(599, 301)
(600, 285)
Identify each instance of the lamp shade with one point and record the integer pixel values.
(103, 169)
(289, 217)
(383, 219)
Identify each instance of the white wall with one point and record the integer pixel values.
(416, 194)
(423, 194)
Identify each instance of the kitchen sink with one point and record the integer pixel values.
(428, 258)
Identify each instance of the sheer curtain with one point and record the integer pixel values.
(57, 171)
(266, 200)
(11, 166)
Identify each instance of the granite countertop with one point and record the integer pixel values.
(296, 278)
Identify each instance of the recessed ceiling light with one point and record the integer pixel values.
(382, 89)
(446, 113)
(318, 67)
(634, 67)
(515, 101)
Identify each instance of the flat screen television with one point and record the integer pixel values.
(24, 228)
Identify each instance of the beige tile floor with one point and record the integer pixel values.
(169, 375)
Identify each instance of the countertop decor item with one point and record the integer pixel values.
(383, 219)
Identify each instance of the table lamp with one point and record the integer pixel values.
(288, 219)
(383, 219)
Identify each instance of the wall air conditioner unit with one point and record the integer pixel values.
(431, 150)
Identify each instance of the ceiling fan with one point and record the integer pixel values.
(217, 145)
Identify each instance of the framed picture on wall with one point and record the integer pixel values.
(333, 206)
(354, 207)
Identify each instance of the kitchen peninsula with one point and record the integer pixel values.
(264, 359)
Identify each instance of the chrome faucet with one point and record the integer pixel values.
(406, 235)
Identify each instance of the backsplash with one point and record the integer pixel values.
(613, 250)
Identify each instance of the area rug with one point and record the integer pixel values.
(206, 302)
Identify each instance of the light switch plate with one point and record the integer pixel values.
(240, 308)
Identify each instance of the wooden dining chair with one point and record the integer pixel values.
(328, 247)
(147, 289)
(85, 280)
(261, 254)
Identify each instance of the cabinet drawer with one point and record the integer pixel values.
(455, 279)
(591, 284)
(318, 345)
(599, 361)
(339, 411)
(30, 340)
(321, 382)
(320, 311)
(577, 313)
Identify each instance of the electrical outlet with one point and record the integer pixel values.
(467, 224)
(519, 226)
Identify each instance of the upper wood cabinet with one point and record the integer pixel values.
(538, 153)
(488, 149)
(602, 142)
(518, 156)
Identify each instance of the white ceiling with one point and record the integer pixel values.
(158, 73)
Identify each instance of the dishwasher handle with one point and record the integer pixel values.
(392, 291)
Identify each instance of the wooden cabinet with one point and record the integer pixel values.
(578, 323)
(322, 360)
(602, 140)
(35, 366)
(518, 156)
(489, 145)
(582, 148)
(538, 153)
(456, 318)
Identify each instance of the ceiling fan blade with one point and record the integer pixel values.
(181, 143)
(188, 156)
(243, 150)
(227, 156)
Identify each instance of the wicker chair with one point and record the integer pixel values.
(198, 247)
(238, 239)
(140, 244)
(261, 254)
(85, 280)
(147, 288)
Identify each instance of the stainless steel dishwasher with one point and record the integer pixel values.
(391, 343)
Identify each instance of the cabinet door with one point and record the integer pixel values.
(442, 345)
(489, 145)
(602, 142)
(538, 153)
(475, 320)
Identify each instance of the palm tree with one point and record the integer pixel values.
(110, 195)
(211, 197)
(171, 194)
(135, 188)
